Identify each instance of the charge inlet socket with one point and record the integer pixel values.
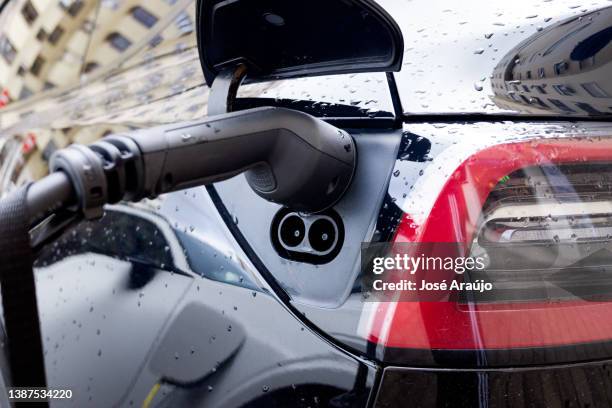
(308, 238)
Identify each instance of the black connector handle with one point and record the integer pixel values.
(289, 157)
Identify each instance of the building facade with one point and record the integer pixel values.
(51, 43)
(564, 69)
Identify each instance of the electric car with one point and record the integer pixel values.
(480, 125)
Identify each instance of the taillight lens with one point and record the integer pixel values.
(545, 235)
(540, 213)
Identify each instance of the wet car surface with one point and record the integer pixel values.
(184, 300)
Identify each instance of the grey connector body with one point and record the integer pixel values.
(290, 158)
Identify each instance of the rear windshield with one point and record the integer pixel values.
(521, 56)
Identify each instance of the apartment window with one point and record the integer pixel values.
(29, 12)
(72, 6)
(90, 66)
(37, 65)
(25, 92)
(595, 90)
(155, 41)
(41, 35)
(538, 101)
(528, 74)
(118, 41)
(540, 89)
(7, 49)
(561, 67)
(564, 90)
(183, 23)
(541, 73)
(56, 34)
(588, 108)
(561, 105)
(143, 16)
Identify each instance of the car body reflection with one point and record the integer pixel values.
(565, 68)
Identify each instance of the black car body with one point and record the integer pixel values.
(196, 298)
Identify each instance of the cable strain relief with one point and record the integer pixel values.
(86, 172)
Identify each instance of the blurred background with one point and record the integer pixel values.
(96, 60)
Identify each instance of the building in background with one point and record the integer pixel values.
(83, 67)
(51, 43)
(564, 69)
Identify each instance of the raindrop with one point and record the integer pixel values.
(479, 51)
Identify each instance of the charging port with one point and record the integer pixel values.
(315, 238)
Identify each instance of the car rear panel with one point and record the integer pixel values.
(545, 323)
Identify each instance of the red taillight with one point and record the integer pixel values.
(457, 216)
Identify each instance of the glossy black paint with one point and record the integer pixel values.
(586, 385)
(127, 304)
(113, 300)
(517, 357)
